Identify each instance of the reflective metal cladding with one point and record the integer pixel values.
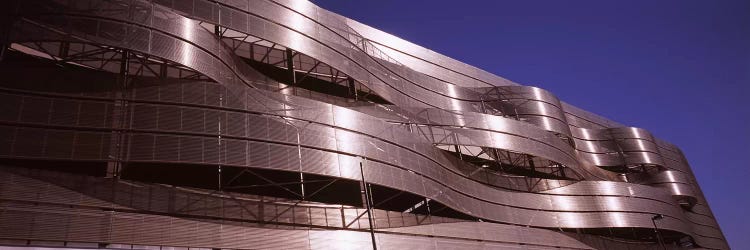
(267, 124)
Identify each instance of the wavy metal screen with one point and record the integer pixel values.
(277, 124)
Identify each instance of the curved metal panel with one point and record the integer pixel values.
(397, 145)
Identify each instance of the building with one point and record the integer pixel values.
(257, 124)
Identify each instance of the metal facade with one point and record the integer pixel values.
(257, 124)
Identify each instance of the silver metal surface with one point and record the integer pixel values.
(403, 145)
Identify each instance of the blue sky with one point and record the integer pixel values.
(680, 69)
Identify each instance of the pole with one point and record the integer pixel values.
(117, 151)
(656, 230)
(290, 66)
(368, 204)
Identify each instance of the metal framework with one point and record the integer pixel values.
(275, 124)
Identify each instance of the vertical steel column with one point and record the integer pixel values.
(368, 204)
(427, 205)
(481, 101)
(64, 49)
(561, 170)
(116, 155)
(222, 152)
(656, 230)
(299, 156)
(290, 65)
(530, 160)
(457, 147)
(217, 32)
(352, 88)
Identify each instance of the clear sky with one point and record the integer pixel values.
(680, 69)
